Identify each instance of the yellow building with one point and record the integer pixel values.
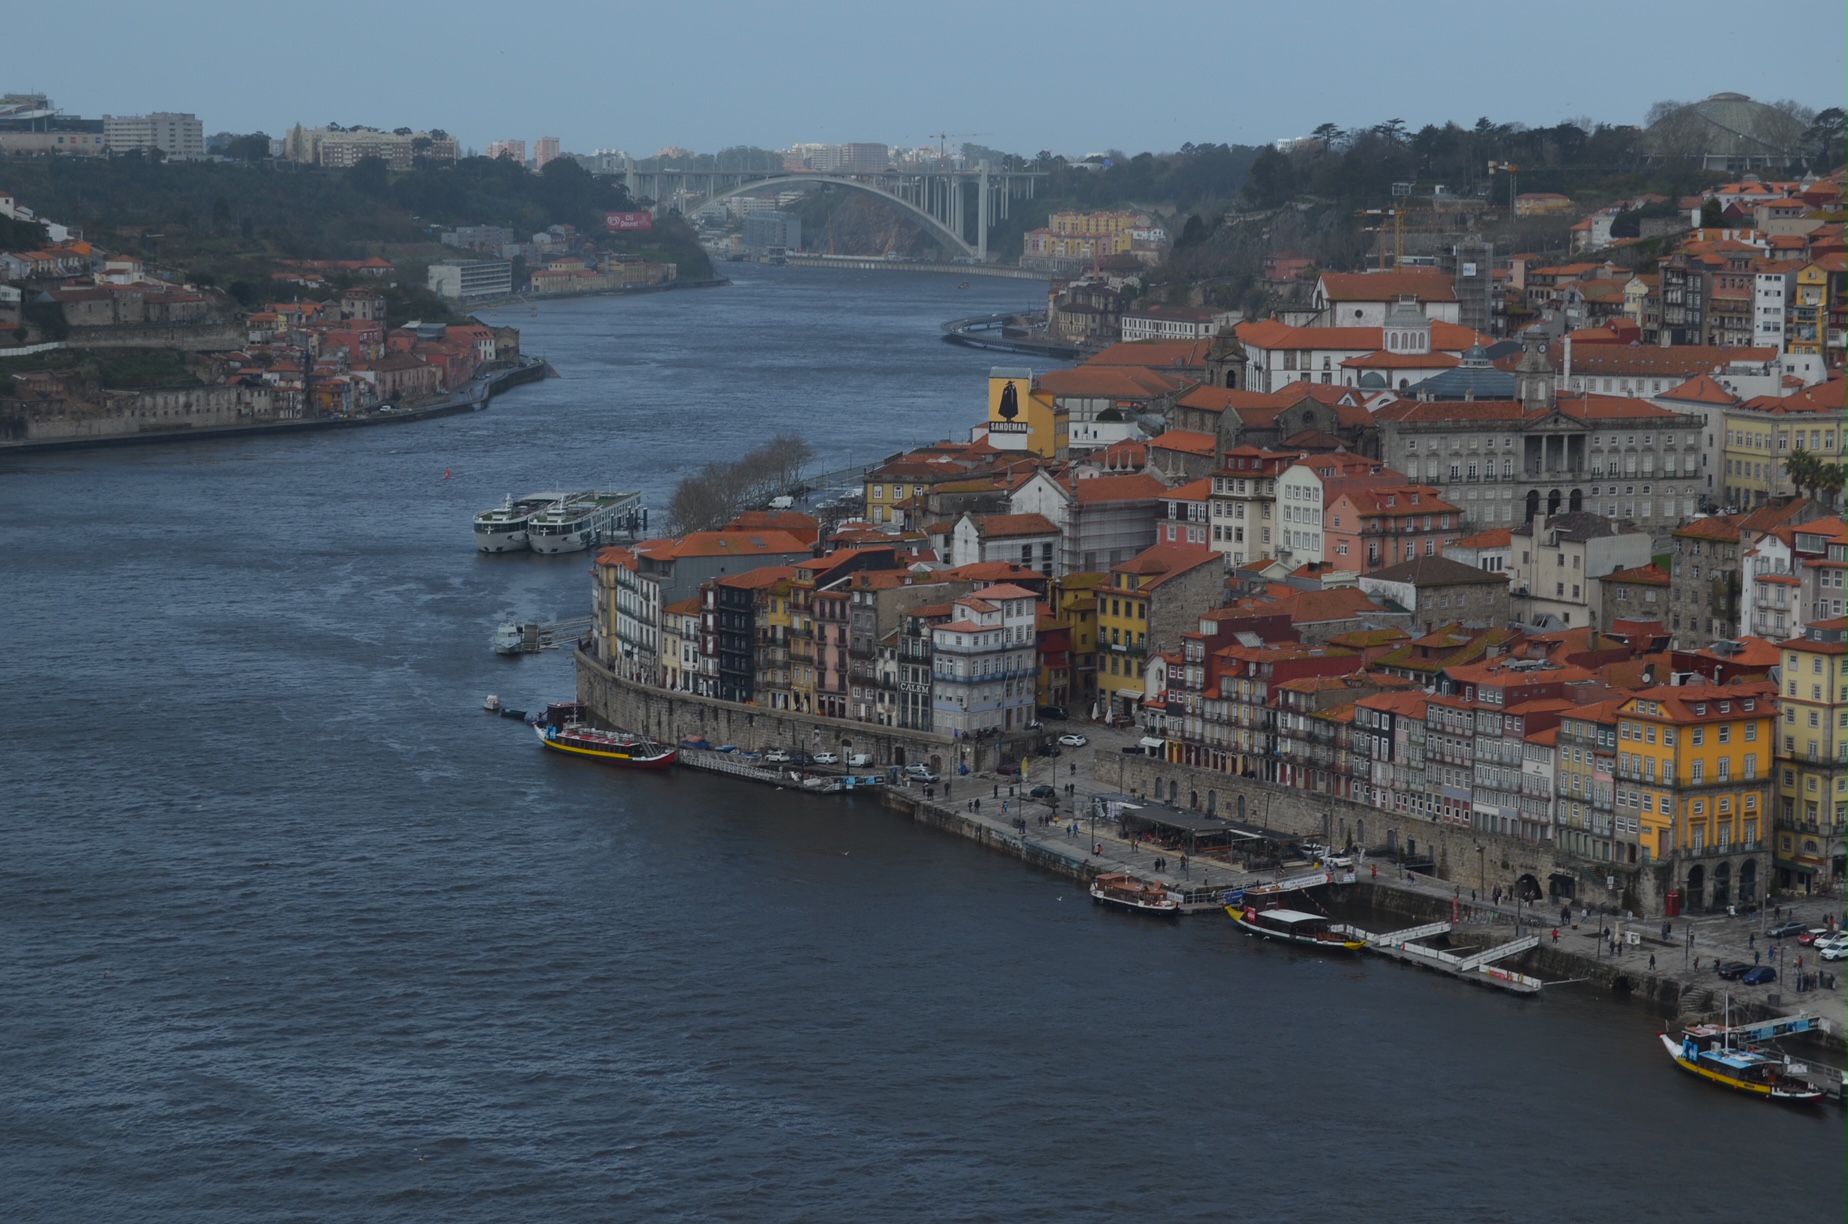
(1812, 791)
(1806, 328)
(1760, 439)
(775, 617)
(1693, 782)
(1020, 418)
(680, 645)
(1072, 606)
(1122, 641)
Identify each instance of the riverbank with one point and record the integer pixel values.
(474, 397)
(1073, 835)
(530, 299)
(874, 263)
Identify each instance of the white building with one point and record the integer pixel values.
(463, 281)
(1557, 562)
(179, 137)
(1774, 285)
(1176, 322)
(984, 669)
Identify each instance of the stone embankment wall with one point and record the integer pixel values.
(672, 717)
(208, 337)
(1465, 856)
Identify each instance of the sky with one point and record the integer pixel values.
(1018, 75)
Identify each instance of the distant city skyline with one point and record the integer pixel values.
(840, 73)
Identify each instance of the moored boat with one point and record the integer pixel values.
(1294, 926)
(610, 747)
(503, 529)
(1130, 892)
(586, 519)
(1725, 1055)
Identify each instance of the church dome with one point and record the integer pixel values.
(1728, 131)
(1373, 380)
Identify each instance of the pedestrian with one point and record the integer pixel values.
(1472, 896)
(1074, 769)
(997, 793)
(1376, 871)
(1755, 955)
(1652, 962)
(1751, 939)
(1697, 963)
(1555, 934)
(1004, 807)
(946, 790)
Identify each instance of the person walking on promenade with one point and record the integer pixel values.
(997, 793)
(1376, 871)
(1755, 955)
(1652, 962)
(1555, 934)
(1751, 939)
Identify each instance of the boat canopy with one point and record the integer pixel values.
(1289, 917)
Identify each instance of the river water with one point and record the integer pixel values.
(290, 930)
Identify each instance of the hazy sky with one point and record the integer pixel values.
(1073, 77)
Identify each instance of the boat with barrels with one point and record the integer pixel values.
(562, 729)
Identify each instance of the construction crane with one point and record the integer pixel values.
(1514, 180)
(942, 139)
(1398, 233)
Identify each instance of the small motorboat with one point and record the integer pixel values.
(1130, 892)
(492, 704)
(509, 639)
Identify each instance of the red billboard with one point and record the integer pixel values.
(625, 222)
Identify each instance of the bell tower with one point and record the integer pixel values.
(1534, 383)
(1226, 361)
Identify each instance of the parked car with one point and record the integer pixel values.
(1833, 951)
(1732, 971)
(776, 756)
(1073, 740)
(1786, 930)
(1055, 713)
(920, 773)
(1813, 936)
(1009, 770)
(826, 758)
(860, 760)
(1042, 791)
(1758, 975)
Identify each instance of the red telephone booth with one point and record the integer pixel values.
(1674, 903)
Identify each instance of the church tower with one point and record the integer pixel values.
(1534, 384)
(1226, 361)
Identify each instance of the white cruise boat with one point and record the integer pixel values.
(585, 519)
(504, 529)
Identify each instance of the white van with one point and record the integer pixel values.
(860, 760)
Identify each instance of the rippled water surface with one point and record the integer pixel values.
(290, 930)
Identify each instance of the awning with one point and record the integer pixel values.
(1149, 741)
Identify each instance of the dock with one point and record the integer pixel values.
(1478, 967)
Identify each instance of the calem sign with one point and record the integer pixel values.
(627, 222)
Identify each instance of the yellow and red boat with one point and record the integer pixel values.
(572, 737)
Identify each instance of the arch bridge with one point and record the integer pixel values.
(935, 199)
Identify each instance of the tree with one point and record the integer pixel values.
(370, 176)
(1273, 179)
(1823, 142)
(251, 148)
(1392, 131)
(221, 214)
(1711, 216)
(1800, 467)
(1327, 133)
(1829, 477)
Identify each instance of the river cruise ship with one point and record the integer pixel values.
(587, 519)
(503, 529)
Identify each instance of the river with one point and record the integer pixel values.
(290, 930)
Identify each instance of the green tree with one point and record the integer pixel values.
(1800, 467)
(370, 176)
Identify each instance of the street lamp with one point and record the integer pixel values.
(1482, 870)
